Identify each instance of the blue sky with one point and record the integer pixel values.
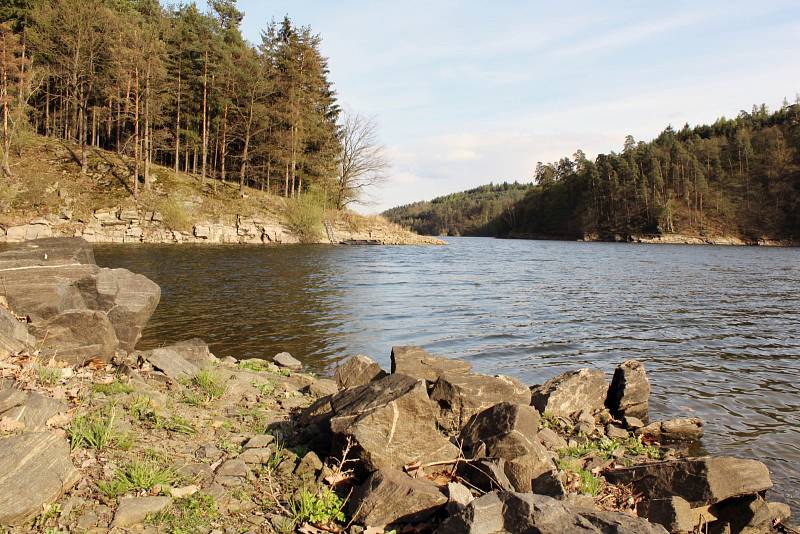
(465, 93)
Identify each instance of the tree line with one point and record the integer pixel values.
(182, 88)
(737, 176)
(476, 212)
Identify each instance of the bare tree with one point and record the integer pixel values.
(362, 161)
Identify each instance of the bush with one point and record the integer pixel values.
(175, 215)
(304, 217)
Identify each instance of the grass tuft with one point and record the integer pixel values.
(116, 387)
(96, 431)
(138, 475)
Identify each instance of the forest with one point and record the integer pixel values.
(181, 88)
(476, 212)
(737, 177)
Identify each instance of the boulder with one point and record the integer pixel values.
(571, 392)
(677, 515)
(551, 440)
(458, 497)
(14, 336)
(688, 429)
(169, 361)
(486, 474)
(390, 421)
(134, 510)
(750, 512)
(700, 481)
(629, 393)
(35, 470)
(322, 387)
(390, 497)
(76, 336)
(78, 310)
(29, 408)
(460, 396)
(418, 363)
(357, 371)
(287, 361)
(506, 512)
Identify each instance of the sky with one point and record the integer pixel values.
(471, 92)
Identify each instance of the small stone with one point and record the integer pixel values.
(633, 423)
(209, 452)
(256, 455)
(134, 510)
(322, 388)
(551, 440)
(185, 491)
(287, 361)
(458, 497)
(310, 465)
(615, 432)
(259, 442)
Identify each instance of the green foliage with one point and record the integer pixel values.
(209, 384)
(48, 376)
(253, 365)
(265, 388)
(589, 484)
(96, 431)
(116, 387)
(606, 446)
(175, 215)
(187, 516)
(177, 424)
(304, 217)
(635, 446)
(138, 475)
(321, 508)
(474, 212)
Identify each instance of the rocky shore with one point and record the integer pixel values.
(96, 436)
(129, 225)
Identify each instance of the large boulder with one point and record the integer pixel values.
(65, 296)
(357, 371)
(391, 423)
(35, 470)
(460, 396)
(418, 363)
(629, 393)
(390, 497)
(572, 392)
(509, 431)
(700, 481)
(507, 512)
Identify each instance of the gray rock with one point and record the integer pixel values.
(35, 470)
(460, 396)
(700, 481)
(418, 363)
(615, 432)
(129, 300)
(391, 422)
(357, 371)
(256, 455)
(487, 474)
(633, 423)
(390, 497)
(14, 336)
(76, 336)
(571, 392)
(458, 497)
(30, 408)
(750, 514)
(287, 361)
(506, 512)
(551, 440)
(629, 393)
(322, 387)
(260, 441)
(309, 465)
(676, 514)
(688, 429)
(171, 363)
(134, 510)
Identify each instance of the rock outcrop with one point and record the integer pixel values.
(416, 362)
(629, 394)
(76, 310)
(569, 393)
(357, 371)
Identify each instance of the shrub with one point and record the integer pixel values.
(321, 508)
(304, 217)
(175, 215)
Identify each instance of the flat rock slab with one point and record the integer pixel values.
(287, 361)
(700, 481)
(685, 429)
(134, 510)
(29, 408)
(420, 364)
(170, 361)
(391, 422)
(572, 392)
(391, 497)
(35, 470)
(357, 371)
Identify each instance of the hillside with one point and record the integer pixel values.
(476, 212)
(734, 181)
(49, 195)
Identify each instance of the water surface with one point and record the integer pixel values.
(717, 327)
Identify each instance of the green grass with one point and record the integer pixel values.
(141, 408)
(176, 423)
(48, 376)
(188, 516)
(175, 215)
(228, 446)
(589, 484)
(138, 475)
(605, 446)
(321, 508)
(116, 387)
(266, 389)
(96, 431)
(209, 385)
(635, 446)
(253, 365)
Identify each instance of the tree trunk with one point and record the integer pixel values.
(147, 140)
(136, 150)
(178, 121)
(223, 142)
(245, 154)
(205, 121)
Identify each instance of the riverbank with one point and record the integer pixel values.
(670, 239)
(49, 196)
(177, 440)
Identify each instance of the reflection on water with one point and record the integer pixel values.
(717, 327)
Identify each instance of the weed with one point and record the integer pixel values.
(189, 515)
(603, 446)
(141, 408)
(138, 475)
(177, 424)
(47, 514)
(114, 388)
(229, 446)
(209, 384)
(48, 376)
(276, 457)
(253, 365)
(175, 215)
(285, 372)
(635, 446)
(321, 508)
(96, 431)
(266, 389)
(589, 484)
(192, 399)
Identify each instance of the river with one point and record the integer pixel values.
(718, 328)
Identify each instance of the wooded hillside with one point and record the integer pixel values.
(476, 212)
(179, 87)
